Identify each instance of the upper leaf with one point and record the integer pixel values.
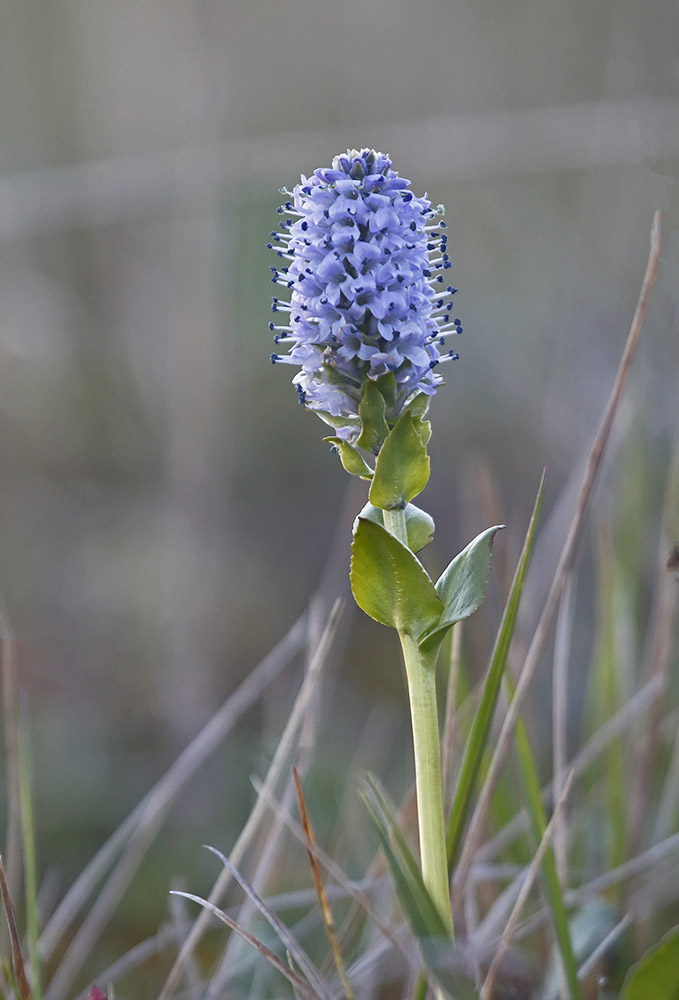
(402, 467)
(389, 583)
(462, 586)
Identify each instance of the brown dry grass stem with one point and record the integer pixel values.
(521, 899)
(10, 718)
(563, 569)
(17, 957)
(324, 905)
(359, 895)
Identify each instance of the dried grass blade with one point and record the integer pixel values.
(603, 948)
(564, 567)
(323, 903)
(135, 834)
(512, 923)
(17, 958)
(362, 903)
(269, 852)
(10, 718)
(276, 769)
(579, 764)
(288, 939)
(267, 953)
(538, 819)
(29, 852)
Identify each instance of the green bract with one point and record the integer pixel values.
(402, 467)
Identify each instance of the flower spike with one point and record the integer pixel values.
(365, 259)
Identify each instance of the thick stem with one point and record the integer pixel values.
(421, 675)
(395, 522)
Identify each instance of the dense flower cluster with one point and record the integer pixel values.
(364, 269)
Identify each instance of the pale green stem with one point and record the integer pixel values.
(395, 522)
(421, 675)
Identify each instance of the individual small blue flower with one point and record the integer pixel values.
(364, 267)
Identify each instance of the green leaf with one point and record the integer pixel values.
(351, 458)
(333, 421)
(389, 583)
(462, 586)
(418, 405)
(414, 897)
(417, 408)
(371, 410)
(480, 731)
(387, 385)
(402, 467)
(656, 975)
(419, 524)
(423, 428)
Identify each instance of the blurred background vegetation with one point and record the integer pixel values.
(166, 509)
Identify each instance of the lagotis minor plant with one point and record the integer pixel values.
(367, 325)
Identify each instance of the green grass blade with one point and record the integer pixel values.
(418, 906)
(478, 737)
(442, 964)
(608, 693)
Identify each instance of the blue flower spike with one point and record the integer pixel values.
(363, 260)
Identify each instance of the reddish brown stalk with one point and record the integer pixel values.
(323, 903)
(17, 957)
(10, 715)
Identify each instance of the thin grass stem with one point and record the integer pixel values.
(531, 875)
(278, 764)
(564, 566)
(29, 855)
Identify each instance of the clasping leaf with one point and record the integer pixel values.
(389, 583)
(419, 524)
